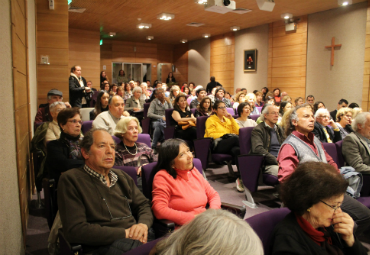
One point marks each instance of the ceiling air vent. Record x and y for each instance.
(76, 9)
(241, 10)
(195, 24)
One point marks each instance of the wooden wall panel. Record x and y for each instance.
(365, 89)
(222, 59)
(52, 40)
(287, 59)
(180, 60)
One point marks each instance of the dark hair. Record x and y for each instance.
(98, 106)
(186, 87)
(152, 96)
(255, 92)
(310, 96)
(177, 99)
(167, 153)
(200, 105)
(199, 90)
(213, 79)
(353, 105)
(111, 87)
(282, 106)
(155, 83)
(126, 84)
(267, 90)
(88, 138)
(73, 68)
(297, 99)
(316, 106)
(217, 90)
(66, 114)
(119, 73)
(191, 83)
(169, 75)
(216, 104)
(343, 101)
(242, 89)
(241, 107)
(275, 90)
(310, 183)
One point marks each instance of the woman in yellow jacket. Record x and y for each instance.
(222, 127)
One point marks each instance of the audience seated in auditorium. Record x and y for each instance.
(108, 119)
(341, 103)
(186, 122)
(43, 113)
(113, 89)
(129, 152)
(310, 99)
(156, 112)
(121, 78)
(212, 84)
(78, 89)
(123, 221)
(103, 78)
(355, 146)
(174, 91)
(213, 232)
(264, 91)
(322, 130)
(344, 120)
(53, 131)
(239, 98)
(204, 108)
(299, 101)
(201, 93)
(180, 192)
(277, 96)
(101, 105)
(318, 105)
(127, 90)
(284, 107)
(259, 102)
(64, 154)
(220, 95)
(251, 99)
(244, 110)
(136, 104)
(316, 225)
(222, 127)
(170, 78)
(301, 146)
(267, 137)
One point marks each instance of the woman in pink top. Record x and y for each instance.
(180, 192)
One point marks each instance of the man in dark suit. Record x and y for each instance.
(322, 129)
(341, 103)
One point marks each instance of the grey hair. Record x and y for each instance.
(214, 232)
(265, 111)
(294, 116)
(320, 111)
(53, 105)
(361, 119)
(144, 84)
(174, 87)
(137, 88)
(88, 139)
(122, 124)
(49, 97)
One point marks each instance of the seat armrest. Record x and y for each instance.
(163, 227)
(66, 247)
(235, 209)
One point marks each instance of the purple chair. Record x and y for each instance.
(169, 131)
(254, 116)
(86, 126)
(331, 149)
(130, 170)
(144, 249)
(144, 138)
(264, 223)
(146, 121)
(231, 111)
(94, 98)
(193, 110)
(259, 108)
(340, 157)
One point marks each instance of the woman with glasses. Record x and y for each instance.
(64, 154)
(316, 225)
(344, 120)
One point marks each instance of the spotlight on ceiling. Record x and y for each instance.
(149, 37)
(201, 1)
(111, 34)
(165, 16)
(183, 41)
(206, 35)
(144, 26)
(344, 2)
(234, 28)
(286, 16)
(266, 5)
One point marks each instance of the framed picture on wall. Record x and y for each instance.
(250, 60)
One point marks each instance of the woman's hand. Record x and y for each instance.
(229, 116)
(343, 224)
(136, 109)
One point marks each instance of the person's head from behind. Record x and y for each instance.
(270, 114)
(205, 105)
(55, 108)
(213, 79)
(213, 232)
(220, 93)
(301, 119)
(98, 150)
(76, 70)
(116, 106)
(54, 95)
(128, 129)
(174, 154)
(322, 116)
(318, 105)
(361, 124)
(344, 116)
(310, 99)
(353, 105)
(342, 103)
(240, 97)
(298, 101)
(314, 191)
(201, 93)
(219, 108)
(284, 106)
(69, 121)
(244, 109)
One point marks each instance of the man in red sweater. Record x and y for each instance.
(43, 113)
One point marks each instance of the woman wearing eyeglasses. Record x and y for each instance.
(344, 120)
(316, 225)
(65, 153)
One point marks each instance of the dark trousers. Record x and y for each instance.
(229, 146)
(359, 213)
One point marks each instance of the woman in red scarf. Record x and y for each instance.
(316, 225)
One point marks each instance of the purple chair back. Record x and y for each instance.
(365, 191)
(116, 139)
(86, 126)
(259, 108)
(142, 138)
(130, 170)
(331, 149)
(144, 249)
(231, 111)
(249, 167)
(94, 98)
(264, 223)
(189, 99)
(245, 135)
(254, 116)
(193, 110)
(341, 162)
(169, 120)
(201, 126)
(146, 108)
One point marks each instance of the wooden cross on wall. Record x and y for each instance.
(332, 47)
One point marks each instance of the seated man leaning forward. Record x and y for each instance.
(100, 207)
(267, 138)
(108, 120)
(356, 145)
(301, 146)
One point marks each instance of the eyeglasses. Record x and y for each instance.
(118, 218)
(76, 121)
(325, 117)
(274, 113)
(348, 116)
(221, 107)
(332, 207)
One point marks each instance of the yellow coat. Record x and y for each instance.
(215, 128)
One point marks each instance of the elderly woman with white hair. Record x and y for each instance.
(53, 131)
(214, 232)
(251, 99)
(344, 120)
(145, 93)
(136, 104)
(129, 152)
(322, 130)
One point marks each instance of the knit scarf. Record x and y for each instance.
(79, 80)
(72, 142)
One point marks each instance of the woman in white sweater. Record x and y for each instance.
(244, 110)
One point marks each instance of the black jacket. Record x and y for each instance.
(290, 238)
(211, 85)
(319, 133)
(76, 92)
(333, 115)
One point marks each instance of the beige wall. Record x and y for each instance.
(199, 62)
(31, 12)
(251, 38)
(345, 78)
(10, 221)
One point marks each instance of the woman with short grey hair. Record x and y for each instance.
(53, 132)
(135, 104)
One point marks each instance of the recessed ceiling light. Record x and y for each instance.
(234, 28)
(286, 16)
(149, 37)
(201, 1)
(344, 2)
(165, 16)
(111, 34)
(184, 41)
(206, 35)
(144, 26)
